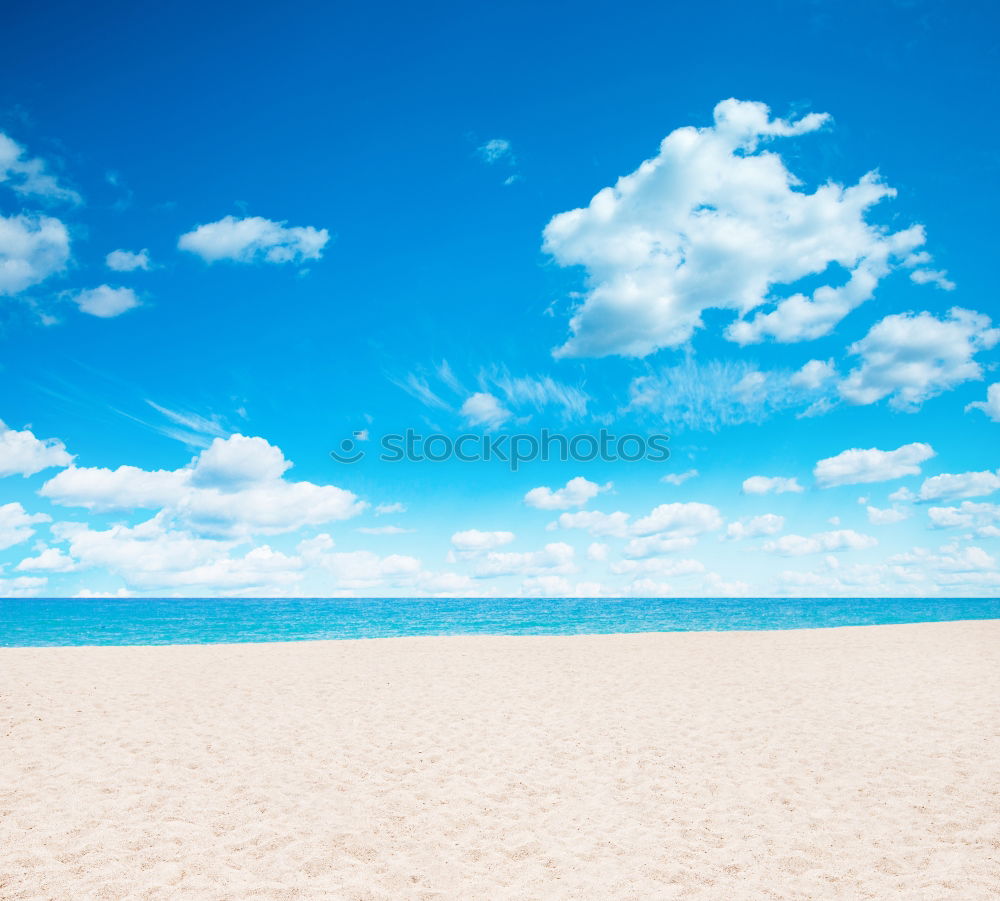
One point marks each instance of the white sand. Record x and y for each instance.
(841, 763)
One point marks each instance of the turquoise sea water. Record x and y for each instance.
(61, 621)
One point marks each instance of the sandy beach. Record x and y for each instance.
(840, 763)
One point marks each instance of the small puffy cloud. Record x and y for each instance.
(385, 509)
(800, 545)
(21, 453)
(679, 520)
(933, 277)
(911, 357)
(51, 559)
(755, 526)
(990, 406)
(814, 374)
(475, 541)
(31, 249)
(878, 516)
(771, 485)
(679, 478)
(716, 220)
(239, 461)
(967, 515)
(16, 524)
(105, 301)
(496, 150)
(484, 409)
(958, 485)
(28, 176)
(127, 260)
(234, 487)
(856, 466)
(575, 493)
(255, 238)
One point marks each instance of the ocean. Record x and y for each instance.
(36, 622)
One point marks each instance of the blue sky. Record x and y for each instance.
(233, 236)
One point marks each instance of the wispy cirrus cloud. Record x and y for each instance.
(29, 176)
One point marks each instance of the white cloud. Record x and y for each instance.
(597, 552)
(679, 478)
(799, 545)
(236, 486)
(364, 570)
(649, 588)
(654, 545)
(254, 238)
(445, 584)
(967, 515)
(677, 520)
(814, 374)
(951, 565)
(151, 556)
(27, 176)
(714, 394)
(496, 150)
(990, 406)
(105, 301)
(660, 566)
(547, 587)
(933, 277)
(668, 525)
(771, 485)
(51, 559)
(556, 557)
(765, 524)
(16, 524)
(22, 587)
(484, 409)
(958, 485)
(31, 249)
(576, 493)
(856, 466)
(383, 530)
(537, 392)
(715, 220)
(384, 509)
(127, 260)
(595, 522)
(878, 516)
(192, 429)
(21, 453)
(912, 357)
(475, 541)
